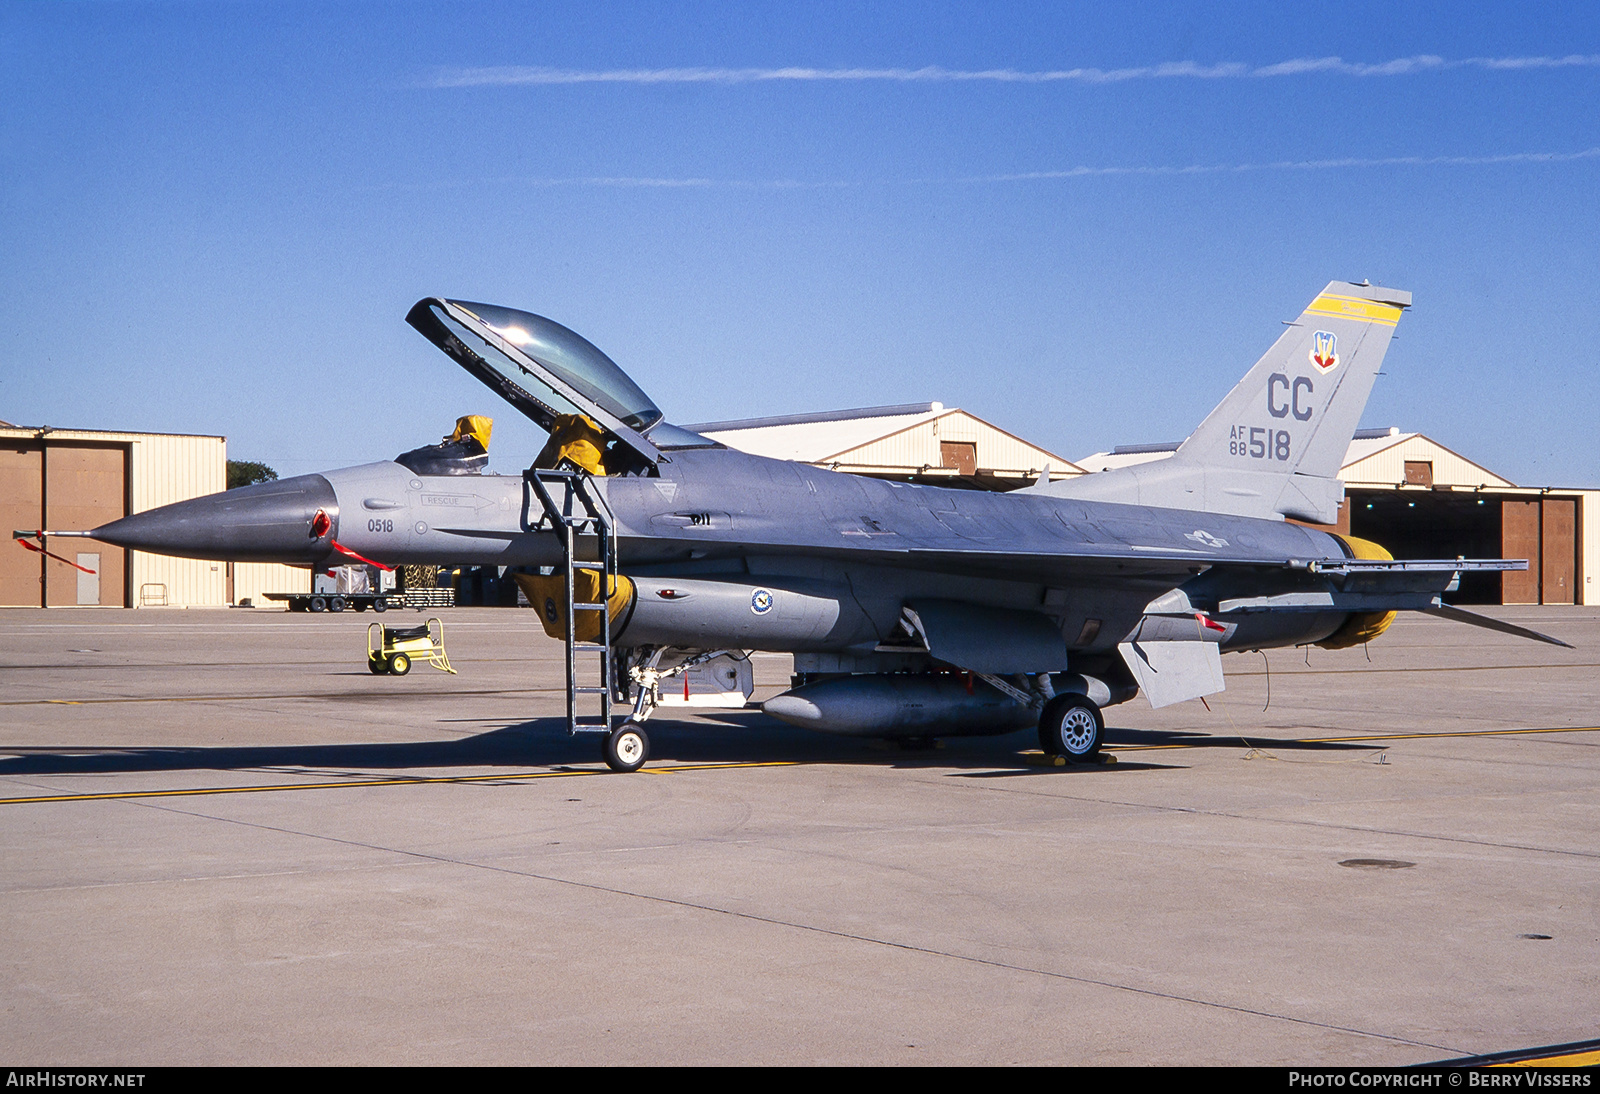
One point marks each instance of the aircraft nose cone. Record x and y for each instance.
(268, 522)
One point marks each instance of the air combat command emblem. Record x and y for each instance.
(1325, 351)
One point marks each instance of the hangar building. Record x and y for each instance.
(76, 479)
(914, 442)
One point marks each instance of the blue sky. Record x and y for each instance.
(1081, 223)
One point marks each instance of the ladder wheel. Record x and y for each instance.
(627, 747)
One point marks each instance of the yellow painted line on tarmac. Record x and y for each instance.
(1267, 742)
(361, 784)
(1572, 1054)
(1572, 1059)
(1459, 733)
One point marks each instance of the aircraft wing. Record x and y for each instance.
(1030, 556)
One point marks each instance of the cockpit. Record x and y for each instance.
(597, 417)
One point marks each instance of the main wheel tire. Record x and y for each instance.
(399, 663)
(627, 747)
(377, 666)
(1071, 726)
(318, 604)
(336, 604)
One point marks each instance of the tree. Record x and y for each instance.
(246, 472)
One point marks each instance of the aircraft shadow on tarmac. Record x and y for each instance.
(722, 737)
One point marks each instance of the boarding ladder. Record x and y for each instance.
(573, 507)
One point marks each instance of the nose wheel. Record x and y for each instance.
(1071, 726)
(627, 747)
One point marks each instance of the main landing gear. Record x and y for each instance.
(1071, 726)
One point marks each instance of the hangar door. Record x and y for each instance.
(1434, 524)
(21, 506)
(66, 486)
(1545, 532)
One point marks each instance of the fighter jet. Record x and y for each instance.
(912, 612)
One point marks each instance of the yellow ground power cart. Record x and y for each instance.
(392, 649)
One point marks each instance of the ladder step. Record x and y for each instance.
(581, 607)
(589, 691)
(590, 647)
(588, 565)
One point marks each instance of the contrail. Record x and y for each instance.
(515, 75)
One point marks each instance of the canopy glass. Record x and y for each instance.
(566, 353)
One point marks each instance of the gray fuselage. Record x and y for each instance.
(872, 546)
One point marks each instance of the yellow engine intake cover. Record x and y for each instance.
(548, 595)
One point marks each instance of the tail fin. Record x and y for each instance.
(1275, 445)
(1305, 396)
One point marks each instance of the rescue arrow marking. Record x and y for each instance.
(51, 554)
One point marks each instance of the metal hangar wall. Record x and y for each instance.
(76, 479)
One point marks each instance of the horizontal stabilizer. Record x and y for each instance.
(1445, 611)
(1331, 600)
(1374, 585)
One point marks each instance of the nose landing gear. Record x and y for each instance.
(627, 747)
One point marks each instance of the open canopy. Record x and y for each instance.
(540, 367)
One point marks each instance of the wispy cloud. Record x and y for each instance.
(513, 75)
(647, 182)
(1294, 165)
(615, 182)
